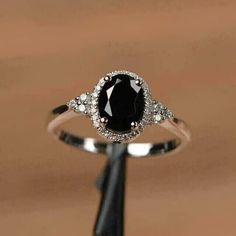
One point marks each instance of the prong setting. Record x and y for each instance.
(107, 78)
(134, 125)
(138, 82)
(103, 121)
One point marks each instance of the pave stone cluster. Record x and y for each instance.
(81, 104)
(160, 112)
(112, 122)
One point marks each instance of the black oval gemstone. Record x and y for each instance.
(121, 101)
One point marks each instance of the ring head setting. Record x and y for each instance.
(120, 106)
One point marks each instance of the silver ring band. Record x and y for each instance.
(120, 107)
(63, 113)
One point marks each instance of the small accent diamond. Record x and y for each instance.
(72, 104)
(157, 118)
(96, 124)
(95, 95)
(93, 110)
(83, 97)
(81, 108)
(94, 102)
(98, 88)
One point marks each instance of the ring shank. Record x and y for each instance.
(62, 114)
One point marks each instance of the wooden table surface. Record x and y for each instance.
(53, 50)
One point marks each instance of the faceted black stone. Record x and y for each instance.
(121, 101)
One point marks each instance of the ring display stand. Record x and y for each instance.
(111, 183)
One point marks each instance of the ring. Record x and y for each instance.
(120, 107)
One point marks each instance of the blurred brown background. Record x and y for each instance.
(53, 50)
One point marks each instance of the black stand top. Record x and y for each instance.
(111, 183)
